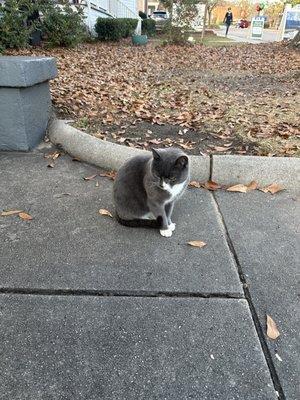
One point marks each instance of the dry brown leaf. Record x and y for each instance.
(273, 188)
(88, 178)
(11, 212)
(197, 243)
(103, 211)
(253, 185)
(211, 185)
(272, 330)
(110, 175)
(219, 148)
(25, 216)
(53, 155)
(238, 188)
(195, 184)
(51, 165)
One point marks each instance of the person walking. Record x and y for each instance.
(228, 19)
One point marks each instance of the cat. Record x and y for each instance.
(147, 186)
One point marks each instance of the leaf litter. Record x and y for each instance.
(253, 104)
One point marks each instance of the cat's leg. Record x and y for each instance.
(169, 210)
(159, 212)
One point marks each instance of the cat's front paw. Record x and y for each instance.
(166, 232)
(172, 226)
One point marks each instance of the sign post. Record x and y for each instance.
(257, 27)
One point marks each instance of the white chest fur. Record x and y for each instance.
(174, 191)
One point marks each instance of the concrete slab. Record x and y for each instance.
(68, 245)
(265, 233)
(108, 348)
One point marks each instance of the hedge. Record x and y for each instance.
(113, 29)
(148, 27)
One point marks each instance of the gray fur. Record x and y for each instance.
(138, 187)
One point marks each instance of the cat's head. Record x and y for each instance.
(169, 166)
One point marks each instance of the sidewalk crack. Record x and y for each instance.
(256, 321)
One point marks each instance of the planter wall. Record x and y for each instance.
(25, 100)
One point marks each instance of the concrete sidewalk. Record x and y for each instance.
(243, 35)
(93, 310)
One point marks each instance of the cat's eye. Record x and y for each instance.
(173, 179)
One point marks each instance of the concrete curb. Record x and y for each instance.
(109, 155)
(226, 169)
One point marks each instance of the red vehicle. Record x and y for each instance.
(242, 23)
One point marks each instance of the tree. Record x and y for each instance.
(246, 7)
(211, 4)
(182, 13)
(274, 12)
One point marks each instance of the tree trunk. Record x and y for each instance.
(204, 22)
(209, 17)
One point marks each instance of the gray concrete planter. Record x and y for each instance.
(25, 100)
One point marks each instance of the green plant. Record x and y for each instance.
(62, 26)
(148, 27)
(114, 29)
(15, 28)
(142, 15)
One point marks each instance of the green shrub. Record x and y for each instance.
(142, 15)
(15, 31)
(114, 29)
(20, 22)
(63, 26)
(148, 27)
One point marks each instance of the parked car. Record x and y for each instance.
(242, 23)
(160, 18)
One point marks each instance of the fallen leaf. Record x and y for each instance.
(273, 188)
(11, 212)
(102, 211)
(197, 243)
(253, 185)
(238, 188)
(53, 155)
(110, 175)
(88, 178)
(51, 165)
(211, 185)
(195, 184)
(272, 330)
(219, 148)
(25, 216)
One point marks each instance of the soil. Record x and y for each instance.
(146, 135)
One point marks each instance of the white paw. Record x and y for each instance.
(166, 232)
(172, 226)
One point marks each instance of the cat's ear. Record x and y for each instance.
(156, 155)
(182, 162)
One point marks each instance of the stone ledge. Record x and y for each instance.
(22, 71)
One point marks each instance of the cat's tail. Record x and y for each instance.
(140, 223)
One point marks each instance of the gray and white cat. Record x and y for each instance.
(147, 186)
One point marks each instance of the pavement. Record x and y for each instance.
(243, 35)
(94, 310)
